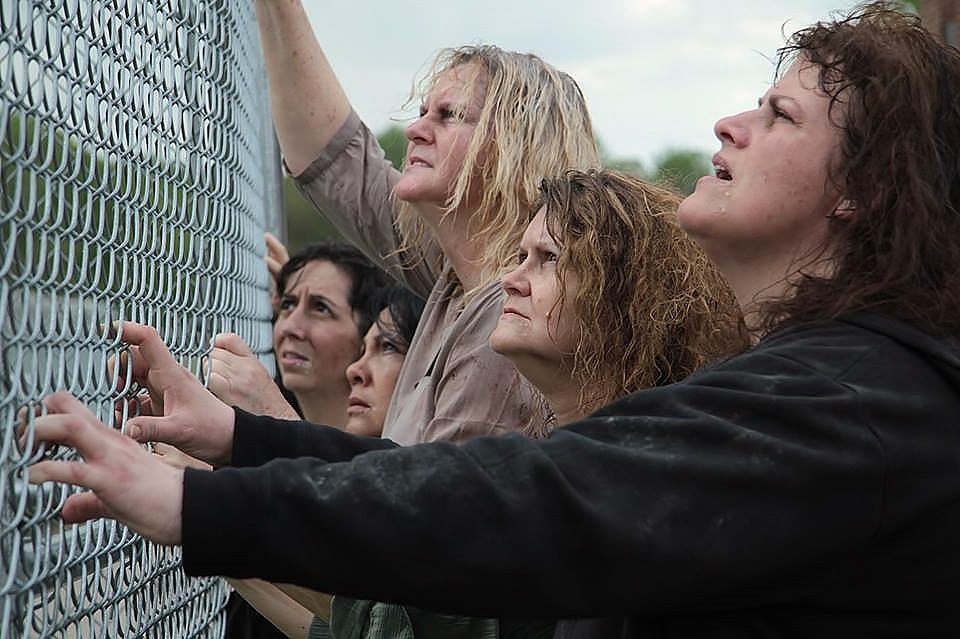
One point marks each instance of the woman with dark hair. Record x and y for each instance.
(808, 486)
(326, 301)
(327, 295)
(373, 376)
(372, 379)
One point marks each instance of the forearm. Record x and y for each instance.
(307, 100)
(259, 439)
(607, 489)
(291, 618)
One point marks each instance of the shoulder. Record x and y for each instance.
(854, 344)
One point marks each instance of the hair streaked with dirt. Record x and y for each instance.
(650, 308)
(534, 123)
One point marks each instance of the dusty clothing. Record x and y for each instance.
(452, 386)
(809, 487)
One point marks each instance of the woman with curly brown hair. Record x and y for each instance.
(610, 295)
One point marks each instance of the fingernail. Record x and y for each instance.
(133, 431)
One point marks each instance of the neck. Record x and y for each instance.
(328, 409)
(558, 388)
(565, 407)
(755, 284)
(458, 242)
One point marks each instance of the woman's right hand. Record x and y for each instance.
(276, 257)
(237, 378)
(179, 410)
(277, 254)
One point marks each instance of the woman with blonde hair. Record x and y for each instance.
(492, 123)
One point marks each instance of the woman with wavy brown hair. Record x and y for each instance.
(609, 295)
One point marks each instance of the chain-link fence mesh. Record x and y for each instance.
(137, 176)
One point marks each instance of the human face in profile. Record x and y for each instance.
(373, 377)
(766, 210)
(440, 137)
(537, 334)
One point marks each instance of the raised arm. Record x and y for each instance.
(308, 103)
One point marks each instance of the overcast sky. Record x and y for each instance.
(656, 73)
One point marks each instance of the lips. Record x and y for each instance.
(509, 310)
(721, 168)
(293, 358)
(356, 405)
(416, 160)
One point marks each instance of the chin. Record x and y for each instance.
(498, 342)
(688, 211)
(363, 426)
(294, 384)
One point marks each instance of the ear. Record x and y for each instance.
(844, 211)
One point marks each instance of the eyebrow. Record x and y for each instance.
(312, 298)
(320, 297)
(778, 99)
(549, 244)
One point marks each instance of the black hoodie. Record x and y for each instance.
(809, 487)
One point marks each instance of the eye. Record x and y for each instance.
(288, 303)
(452, 114)
(549, 256)
(781, 114)
(423, 110)
(387, 346)
(776, 112)
(319, 306)
(521, 257)
(390, 344)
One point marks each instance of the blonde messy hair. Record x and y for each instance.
(650, 308)
(534, 122)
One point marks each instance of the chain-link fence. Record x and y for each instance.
(137, 176)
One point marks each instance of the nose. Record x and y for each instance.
(290, 324)
(516, 282)
(419, 130)
(732, 130)
(357, 372)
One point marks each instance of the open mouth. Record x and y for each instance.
(721, 170)
(417, 162)
(289, 355)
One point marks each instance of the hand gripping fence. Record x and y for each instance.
(137, 175)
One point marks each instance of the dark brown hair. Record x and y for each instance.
(895, 95)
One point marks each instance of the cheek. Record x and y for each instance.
(456, 150)
(276, 334)
(341, 344)
(385, 379)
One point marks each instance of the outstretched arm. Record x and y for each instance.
(307, 101)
